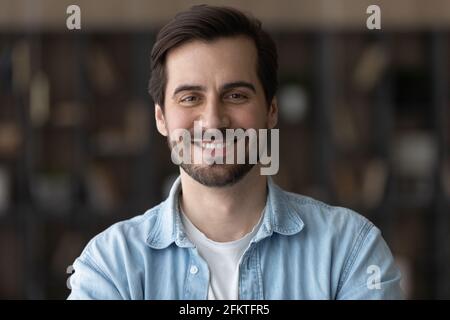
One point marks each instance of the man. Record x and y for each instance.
(226, 231)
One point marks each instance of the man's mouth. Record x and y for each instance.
(208, 145)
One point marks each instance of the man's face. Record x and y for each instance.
(215, 83)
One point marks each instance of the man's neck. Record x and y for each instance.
(224, 213)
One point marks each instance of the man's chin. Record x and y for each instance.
(217, 175)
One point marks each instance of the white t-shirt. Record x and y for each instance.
(223, 259)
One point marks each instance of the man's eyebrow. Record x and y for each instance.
(225, 87)
(188, 87)
(237, 84)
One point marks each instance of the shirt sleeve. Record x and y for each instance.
(88, 282)
(370, 271)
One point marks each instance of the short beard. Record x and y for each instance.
(217, 175)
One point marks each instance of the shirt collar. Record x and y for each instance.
(280, 216)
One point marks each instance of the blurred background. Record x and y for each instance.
(364, 123)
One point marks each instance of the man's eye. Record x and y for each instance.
(189, 99)
(236, 97)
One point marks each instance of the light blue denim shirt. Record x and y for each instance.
(304, 249)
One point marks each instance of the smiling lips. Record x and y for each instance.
(218, 148)
(213, 145)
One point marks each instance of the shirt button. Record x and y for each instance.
(193, 270)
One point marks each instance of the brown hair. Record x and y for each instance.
(204, 22)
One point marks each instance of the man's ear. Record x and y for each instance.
(273, 114)
(160, 120)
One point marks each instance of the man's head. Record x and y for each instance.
(217, 66)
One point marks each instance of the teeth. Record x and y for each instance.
(214, 145)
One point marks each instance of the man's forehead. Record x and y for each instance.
(232, 44)
(233, 58)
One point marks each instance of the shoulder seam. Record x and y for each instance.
(91, 262)
(360, 240)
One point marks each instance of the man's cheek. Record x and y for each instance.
(179, 122)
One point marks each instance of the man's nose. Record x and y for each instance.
(214, 115)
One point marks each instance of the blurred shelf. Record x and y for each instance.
(87, 215)
(7, 217)
(411, 202)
